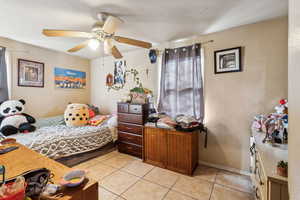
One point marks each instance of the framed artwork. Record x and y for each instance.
(68, 78)
(30, 73)
(109, 80)
(120, 73)
(228, 60)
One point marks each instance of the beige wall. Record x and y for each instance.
(47, 101)
(232, 99)
(294, 99)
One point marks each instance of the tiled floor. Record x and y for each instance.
(123, 177)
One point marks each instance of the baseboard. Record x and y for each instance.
(243, 172)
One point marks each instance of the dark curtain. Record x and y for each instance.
(181, 87)
(3, 76)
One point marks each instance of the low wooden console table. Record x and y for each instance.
(171, 149)
(25, 159)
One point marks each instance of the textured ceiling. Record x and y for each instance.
(150, 20)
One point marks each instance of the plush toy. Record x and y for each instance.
(12, 118)
(76, 115)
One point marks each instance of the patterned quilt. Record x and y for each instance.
(62, 141)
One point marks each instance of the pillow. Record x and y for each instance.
(97, 120)
(76, 115)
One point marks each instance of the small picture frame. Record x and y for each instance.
(228, 60)
(30, 73)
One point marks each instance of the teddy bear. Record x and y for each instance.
(12, 118)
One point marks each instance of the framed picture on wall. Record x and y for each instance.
(228, 60)
(30, 73)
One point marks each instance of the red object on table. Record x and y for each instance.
(17, 196)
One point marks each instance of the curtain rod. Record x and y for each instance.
(205, 42)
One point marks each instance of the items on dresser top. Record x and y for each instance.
(131, 118)
(265, 157)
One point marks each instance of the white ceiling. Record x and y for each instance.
(150, 20)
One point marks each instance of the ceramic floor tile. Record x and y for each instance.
(162, 177)
(235, 181)
(137, 168)
(118, 161)
(172, 195)
(224, 193)
(83, 165)
(118, 182)
(106, 195)
(99, 171)
(198, 189)
(205, 173)
(107, 156)
(146, 191)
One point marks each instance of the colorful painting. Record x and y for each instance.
(68, 78)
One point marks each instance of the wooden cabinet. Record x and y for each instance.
(173, 150)
(131, 118)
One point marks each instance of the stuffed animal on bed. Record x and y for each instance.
(12, 118)
(76, 115)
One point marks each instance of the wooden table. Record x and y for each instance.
(25, 159)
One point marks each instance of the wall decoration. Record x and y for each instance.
(109, 80)
(120, 73)
(30, 73)
(68, 78)
(228, 60)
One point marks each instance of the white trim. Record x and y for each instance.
(9, 72)
(230, 169)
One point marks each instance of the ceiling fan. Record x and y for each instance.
(102, 31)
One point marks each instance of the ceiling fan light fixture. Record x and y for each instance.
(94, 44)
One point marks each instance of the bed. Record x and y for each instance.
(55, 140)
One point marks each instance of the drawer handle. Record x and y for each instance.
(129, 147)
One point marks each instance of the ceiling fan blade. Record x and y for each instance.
(111, 24)
(116, 53)
(133, 42)
(65, 33)
(78, 47)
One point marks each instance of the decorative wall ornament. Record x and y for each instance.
(68, 78)
(228, 60)
(30, 73)
(109, 80)
(120, 76)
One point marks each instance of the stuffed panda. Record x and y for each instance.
(12, 118)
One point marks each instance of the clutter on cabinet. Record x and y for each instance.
(140, 95)
(187, 123)
(274, 125)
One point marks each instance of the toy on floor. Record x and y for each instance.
(76, 115)
(12, 118)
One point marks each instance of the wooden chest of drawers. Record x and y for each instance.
(131, 118)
